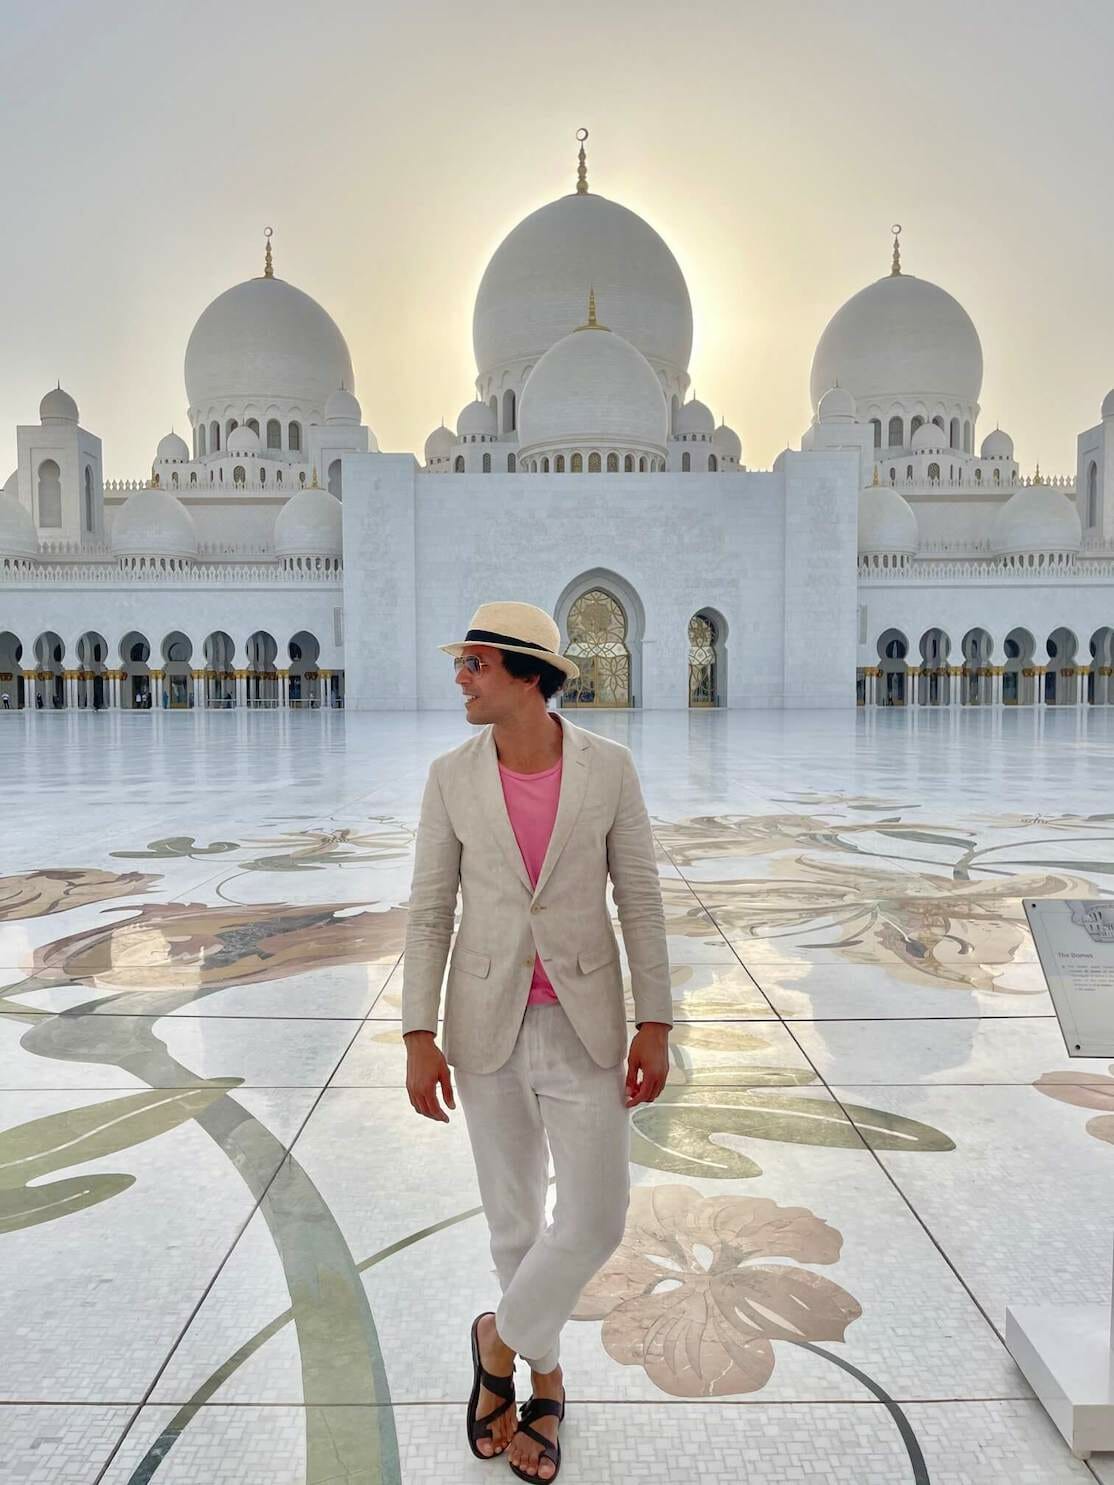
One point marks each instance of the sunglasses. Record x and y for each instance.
(471, 663)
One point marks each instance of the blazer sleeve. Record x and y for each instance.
(634, 875)
(432, 906)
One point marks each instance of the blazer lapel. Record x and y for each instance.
(574, 786)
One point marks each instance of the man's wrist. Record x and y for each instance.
(421, 1032)
(655, 1025)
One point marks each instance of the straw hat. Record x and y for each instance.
(516, 626)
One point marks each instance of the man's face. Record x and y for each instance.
(494, 694)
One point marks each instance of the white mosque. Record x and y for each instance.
(277, 557)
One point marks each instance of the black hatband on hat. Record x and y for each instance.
(488, 636)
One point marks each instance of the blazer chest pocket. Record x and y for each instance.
(471, 962)
(592, 959)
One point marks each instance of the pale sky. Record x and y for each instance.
(146, 146)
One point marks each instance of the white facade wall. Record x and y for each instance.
(164, 606)
(914, 606)
(773, 555)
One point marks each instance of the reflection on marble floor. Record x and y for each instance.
(233, 1251)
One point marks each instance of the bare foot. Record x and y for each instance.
(499, 1361)
(524, 1452)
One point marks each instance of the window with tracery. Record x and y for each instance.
(597, 643)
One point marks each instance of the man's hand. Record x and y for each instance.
(426, 1071)
(648, 1055)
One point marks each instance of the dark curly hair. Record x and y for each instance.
(525, 667)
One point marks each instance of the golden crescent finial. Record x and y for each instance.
(582, 167)
(895, 267)
(591, 323)
(268, 266)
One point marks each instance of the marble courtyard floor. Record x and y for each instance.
(232, 1253)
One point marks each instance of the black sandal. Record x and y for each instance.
(480, 1428)
(541, 1407)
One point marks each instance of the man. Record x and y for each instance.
(527, 819)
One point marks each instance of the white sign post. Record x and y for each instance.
(1067, 1351)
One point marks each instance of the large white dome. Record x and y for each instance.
(887, 522)
(535, 287)
(593, 388)
(17, 528)
(152, 523)
(309, 525)
(1036, 519)
(267, 341)
(899, 338)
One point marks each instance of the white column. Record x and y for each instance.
(1038, 684)
(29, 690)
(241, 689)
(283, 693)
(323, 689)
(912, 685)
(1081, 674)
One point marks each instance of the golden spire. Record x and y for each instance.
(875, 482)
(1037, 480)
(582, 168)
(591, 323)
(895, 266)
(268, 267)
(313, 482)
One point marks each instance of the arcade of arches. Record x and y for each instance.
(1054, 671)
(138, 675)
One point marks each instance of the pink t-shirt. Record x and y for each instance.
(532, 806)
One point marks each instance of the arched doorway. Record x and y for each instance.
(705, 641)
(177, 676)
(1061, 679)
(975, 682)
(50, 678)
(92, 652)
(262, 677)
(11, 677)
(1100, 690)
(893, 677)
(935, 689)
(597, 628)
(220, 675)
(303, 678)
(135, 683)
(1018, 680)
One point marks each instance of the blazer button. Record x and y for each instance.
(526, 963)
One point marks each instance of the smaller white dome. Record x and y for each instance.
(1036, 518)
(58, 407)
(439, 444)
(243, 440)
(477, 418)
(17, 528)
(152, 523)
(1108, 404)
(593, 388)
(695, 417)
(11, 484)
(309, 525)
(836, 406)
(929, 439)
(727, 442)
(886, 522)
(997, 445)
(779, 462)
(342, 407)
(172, 449)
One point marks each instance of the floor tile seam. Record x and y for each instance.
(573, 1402)
(215, 1275)
(916, 1215)
(736, 958)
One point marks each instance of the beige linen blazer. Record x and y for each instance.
(466, 843)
